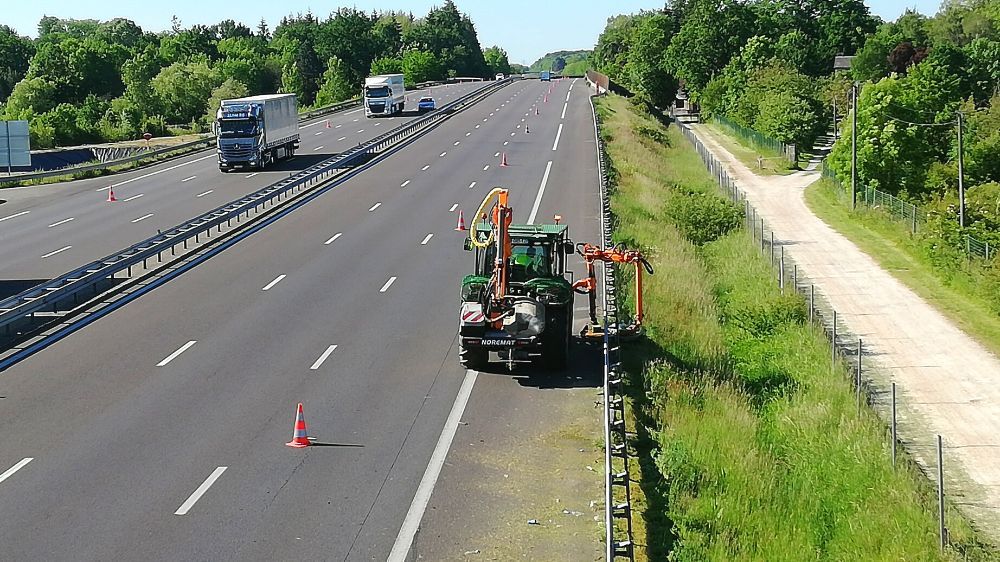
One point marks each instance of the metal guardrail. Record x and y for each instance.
(615, 435)
(48, 295)
(186, 147)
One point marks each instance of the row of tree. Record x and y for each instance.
(89, 81)
(754, 62)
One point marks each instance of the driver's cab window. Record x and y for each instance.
(529, 262)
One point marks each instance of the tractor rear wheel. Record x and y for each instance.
(475, 359)
(556, 338)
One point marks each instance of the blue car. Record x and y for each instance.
(426, 104)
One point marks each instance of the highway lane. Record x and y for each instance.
(53, 228)
(126, 443)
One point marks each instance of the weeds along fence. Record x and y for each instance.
(903, 211)
(618, 539)
(759, 140)
(875, 389)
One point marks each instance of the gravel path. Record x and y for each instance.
(947, 383)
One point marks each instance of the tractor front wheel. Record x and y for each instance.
(475, 359)
(556, 338)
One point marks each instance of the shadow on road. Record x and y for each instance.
(585, 369)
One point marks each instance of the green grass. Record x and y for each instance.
(749, 440)
(576, 68)
(770, 163)
(958, 294)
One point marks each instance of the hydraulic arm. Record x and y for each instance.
(588, 285)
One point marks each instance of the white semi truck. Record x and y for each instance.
(255, 131)
(384, 95)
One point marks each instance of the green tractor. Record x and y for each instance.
(518, 302)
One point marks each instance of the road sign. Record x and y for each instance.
(15, 149)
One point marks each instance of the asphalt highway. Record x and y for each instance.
(158, 431)
(50, 229)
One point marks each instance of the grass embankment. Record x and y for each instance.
(957, 292)
(749, 439)
(763, 161)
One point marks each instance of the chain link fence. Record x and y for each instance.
(904, 211)
(759, 140)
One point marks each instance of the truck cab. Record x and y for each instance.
(384, 95)
(255, 131)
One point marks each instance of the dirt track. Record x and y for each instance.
(947, 383)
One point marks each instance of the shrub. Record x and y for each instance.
(703, 218)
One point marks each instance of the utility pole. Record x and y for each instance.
(854, 146)
(961, 174)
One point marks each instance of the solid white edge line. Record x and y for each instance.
(174, 355)
(387, 285)
(332, 238)
(274, 282)
(404, 540)
(322, 358)
(64, 221)
(10, 471)
(555, 144)
(50, 254)
(426, 239)
(15, 215)
(541, 191)
(123, 182)
(196, 495)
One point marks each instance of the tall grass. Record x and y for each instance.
(758, 449)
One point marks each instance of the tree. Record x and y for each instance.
(647, 69)
(31, 95)
(184, 89)
(230, 89)
(788, 118)
(347, 35)
(421, 66)
(15, 52)
(983, 57)
(711, 32)
(301, 70)
(496, 61)
(557, 65)
(386, 65)
(451, 37)
(338, 83)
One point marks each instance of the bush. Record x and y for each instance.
(703, 218)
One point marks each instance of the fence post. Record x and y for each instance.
(771, 247)
(762, 235)
(940, 474)
(781, 271)
(858, 382)
(795, 277)
(812, 301)
(893, 426)
(913, 228)
(833, 340)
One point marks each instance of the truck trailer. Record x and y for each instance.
(384, 95)
(255, 131)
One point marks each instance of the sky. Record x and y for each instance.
(526, 29)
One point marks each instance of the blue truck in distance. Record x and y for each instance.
(255, 131)
(545, 76)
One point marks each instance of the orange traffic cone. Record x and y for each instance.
(299, 435)
(327, 123)
(461, 221)
(503, 160)
(111, 195)
(546, 98)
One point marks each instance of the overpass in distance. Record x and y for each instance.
(157, 432)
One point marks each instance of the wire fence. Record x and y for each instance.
(759, 140)
(906, 429)
(912, 215)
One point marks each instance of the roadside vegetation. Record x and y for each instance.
(86, 81)
(749, 439)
